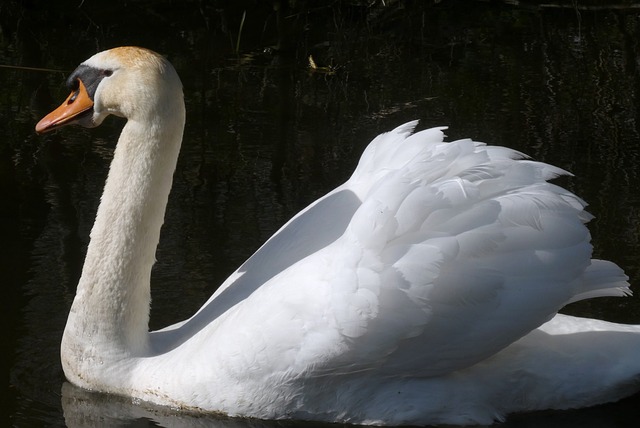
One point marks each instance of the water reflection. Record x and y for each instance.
(83, 409)
(265, 136)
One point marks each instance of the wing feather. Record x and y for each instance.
(445, 254)
(473, 249)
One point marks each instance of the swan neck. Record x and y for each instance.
(113, 297)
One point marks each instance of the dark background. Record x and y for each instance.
(266, 136)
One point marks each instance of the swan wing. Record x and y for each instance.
(430, 258)
(457, 250)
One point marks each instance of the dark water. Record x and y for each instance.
(266, 136)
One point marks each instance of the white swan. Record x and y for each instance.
(424, 290)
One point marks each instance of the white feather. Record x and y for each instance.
(412, 294)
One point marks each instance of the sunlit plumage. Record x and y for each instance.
(423, 290)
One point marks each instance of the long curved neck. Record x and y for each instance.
(110, 312)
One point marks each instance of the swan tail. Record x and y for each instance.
(602, 279)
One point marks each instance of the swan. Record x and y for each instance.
(423, 290)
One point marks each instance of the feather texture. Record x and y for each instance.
(424, 290)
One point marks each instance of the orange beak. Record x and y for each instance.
(76, 104)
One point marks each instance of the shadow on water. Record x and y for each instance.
(266, 136)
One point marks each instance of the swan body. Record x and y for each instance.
(423, 290)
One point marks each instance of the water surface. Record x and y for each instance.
(266, 136)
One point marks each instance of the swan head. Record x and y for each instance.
(130, 82)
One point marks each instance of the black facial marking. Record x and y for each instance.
(90, 77)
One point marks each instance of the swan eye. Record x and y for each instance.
(75, 89)
(107, 73)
